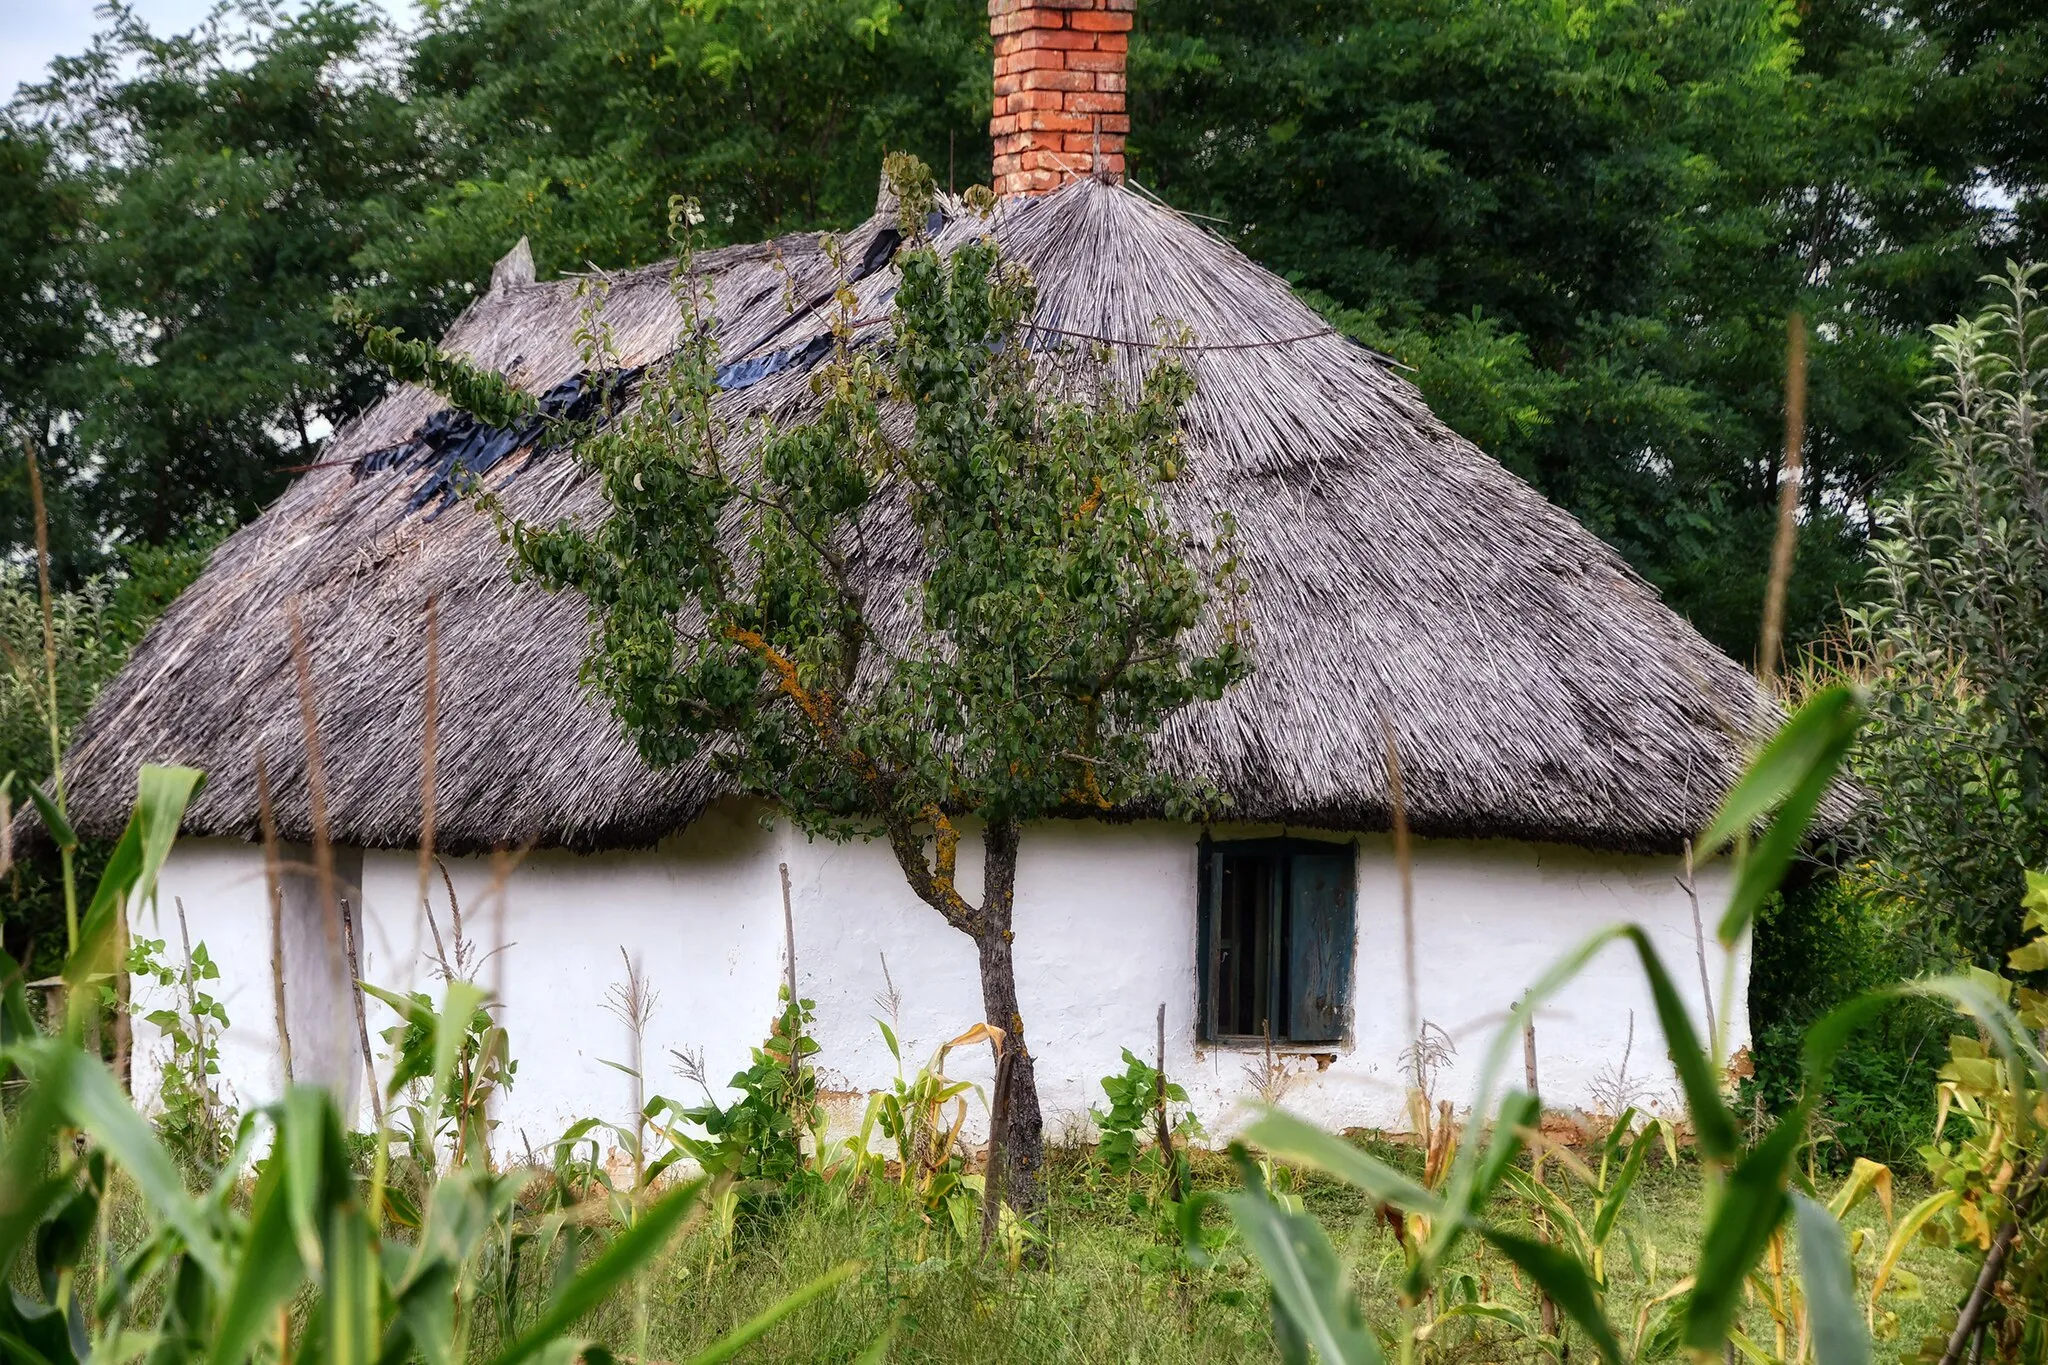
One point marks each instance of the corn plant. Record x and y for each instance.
(286, 1256)
(1754, 1189)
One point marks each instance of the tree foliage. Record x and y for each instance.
(1584, 226)
(1958, 633)
(744, 592)
(223, 181)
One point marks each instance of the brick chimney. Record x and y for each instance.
(1059, 91)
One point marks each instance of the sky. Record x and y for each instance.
(34, 31)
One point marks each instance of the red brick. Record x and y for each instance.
(1036, 59)
(1113, 42)
(1088, 102)
(1005, 25)
(1110, 82)
(1048, 37)
(1099, 21)
(1057, 80)
(1049, 122)
(1039, 99)
(1095, 61)
(1010, 85)
(1001, 126)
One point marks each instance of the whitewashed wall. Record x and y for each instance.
(1105, 934)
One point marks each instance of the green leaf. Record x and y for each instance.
(1750, 1209)
(94, 1102)
(1290, 1139)
(1829, 1279)
(1800, 746)
(756, 1327)
(1309, 1285)
(1565, 1280)
(268, 1272)
(1792, 775)
(1519, 1113)
(161, 795)
(628, 1253)
(350, 1288)
(1564, 1221)
(53, 819)
(1617, 1192)
(1714, 1131)
(17, 1024)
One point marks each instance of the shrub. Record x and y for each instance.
(1956, 640)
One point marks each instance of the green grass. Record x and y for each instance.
(1109, 1293)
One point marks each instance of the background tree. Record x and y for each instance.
(224, 179)
(1584, 225)
(573, 124)
(1056, 608)
(1957, 634)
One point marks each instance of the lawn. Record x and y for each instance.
(1114, 1289)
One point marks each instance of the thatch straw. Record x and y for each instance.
(1536, 686)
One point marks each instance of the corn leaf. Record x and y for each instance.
(26, 1193)
(93, 1101)
(17, 1024)
(1566, 1280)
(1750, 1209)
(1829, 1279)
(1865, 1178)
(1916, 1218)
(1792, 775)
(350, 1288)
(629, 1252)
(1714, 1131)
(161, 795)
(53, 819)
(1310, 1291)
(1617, 1192)
(269, 1272)
(1787, 762)
(1290, 1139)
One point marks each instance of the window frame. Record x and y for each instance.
(1283, 850)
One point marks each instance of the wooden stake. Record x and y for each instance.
(788, 932)
(1699, 937)
(273, 880)
(355, 995)
(1164, 1132)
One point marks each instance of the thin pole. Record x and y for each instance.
(1699, 938)
(273, 878)
(355, 994)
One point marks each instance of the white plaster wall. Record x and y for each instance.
(1105, 933)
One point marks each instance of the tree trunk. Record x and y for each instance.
(1021, 1144)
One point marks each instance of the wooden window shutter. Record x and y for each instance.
(1321, 934)
(1208, 870)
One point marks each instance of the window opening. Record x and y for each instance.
(1276, 939)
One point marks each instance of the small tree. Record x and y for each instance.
(1958, 636)
(948, 595)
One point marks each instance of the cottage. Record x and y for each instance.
(1560, 731)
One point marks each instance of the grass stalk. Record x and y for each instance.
(66, 855)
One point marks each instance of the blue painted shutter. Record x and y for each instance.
(1208, 870)
(1321, 932)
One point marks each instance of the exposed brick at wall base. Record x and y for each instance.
(1059, 110)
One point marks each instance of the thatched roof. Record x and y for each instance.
(1537, 686)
